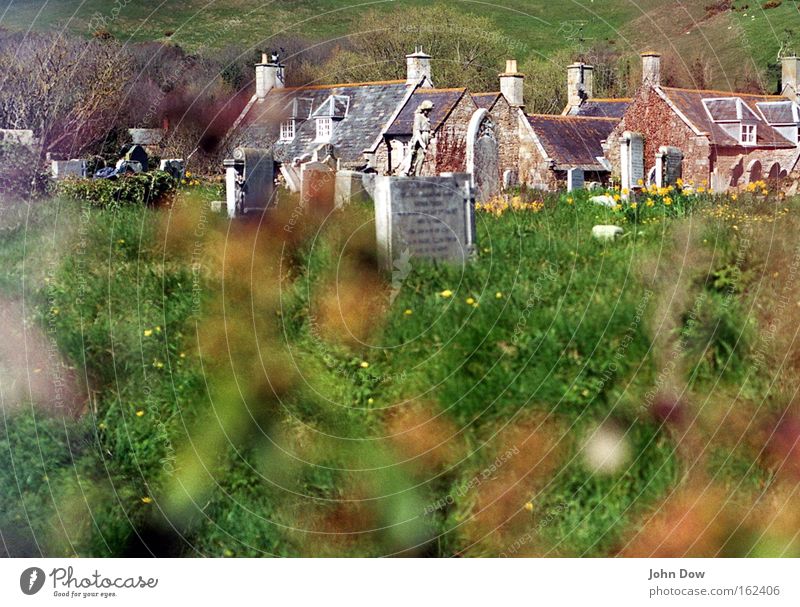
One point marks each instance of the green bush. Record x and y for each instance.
(150, 188)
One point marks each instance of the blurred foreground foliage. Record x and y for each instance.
(259, 388)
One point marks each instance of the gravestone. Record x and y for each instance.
(61, 169)
(350, 188)
(249, 181)
(317, 187)
(574, 179)
(510, 179)
(669, 161)
(425, 217)
(483, 155)
(631, 160)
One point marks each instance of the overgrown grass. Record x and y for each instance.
(267, 392)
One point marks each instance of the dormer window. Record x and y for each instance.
(287, 130)
(324, 129)
(748, 134)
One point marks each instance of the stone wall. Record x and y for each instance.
(738, 169)
(505, 119)
(534, 168)
(450, 143)
(651, 116)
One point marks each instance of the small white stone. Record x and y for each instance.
(602, 232)
(219, 206)
(604, 200)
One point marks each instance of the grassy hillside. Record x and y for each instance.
(727, 40)
(267, 392)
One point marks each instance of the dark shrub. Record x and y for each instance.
(143, 188)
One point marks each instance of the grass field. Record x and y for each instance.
(685, 30)
(258, 390)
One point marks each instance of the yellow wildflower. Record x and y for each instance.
(498, 295)
(364, 364)
(148, 332)
(529, 506)
(470, 301)
(139, 413)
(147, 500)
(408, 312)
(446, 293)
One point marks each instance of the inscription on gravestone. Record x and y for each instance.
(425, 217)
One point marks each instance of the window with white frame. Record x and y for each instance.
(287, 130)
(748, 134)
(324, 129)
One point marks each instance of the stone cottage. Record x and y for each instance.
(551, 146)
(368, 126)
(726, 139)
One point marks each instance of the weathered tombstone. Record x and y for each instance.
(483, 155)
(631, 160)
(61, 169)
(249, 181)
(425, 217)
(317, 187)
(350, 188)
(669, 160)
(219, 206)
(574, 179)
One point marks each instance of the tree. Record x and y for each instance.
(467, 51)
(67, 90)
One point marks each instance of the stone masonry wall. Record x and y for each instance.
(508, 140)
(651, 116)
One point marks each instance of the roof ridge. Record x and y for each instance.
(571, 117)
(343, 84)
(726, 93)
(448, 90)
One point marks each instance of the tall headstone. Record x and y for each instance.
(249, 181)
(317, 187)
(425, 217)
(631, 160)
(483, 155)
(574, 179)
(350, 188)
(669, 160)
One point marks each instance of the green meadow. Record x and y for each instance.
(259, 388)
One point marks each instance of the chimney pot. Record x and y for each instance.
(651, 68)
(580, 83)
(418, 66)
(511, 84)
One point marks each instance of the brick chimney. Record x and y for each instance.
(790, 74)
(580, 80)
(511, 82)
(418, 66)
(269, 75)
(651, 68)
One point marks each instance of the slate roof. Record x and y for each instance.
(601, 108)
(444, 100)
(573, 141)
(779, 112)
(690, 103)
(360, 113)
(485, 100)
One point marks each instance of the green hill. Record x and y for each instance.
(725, 35)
